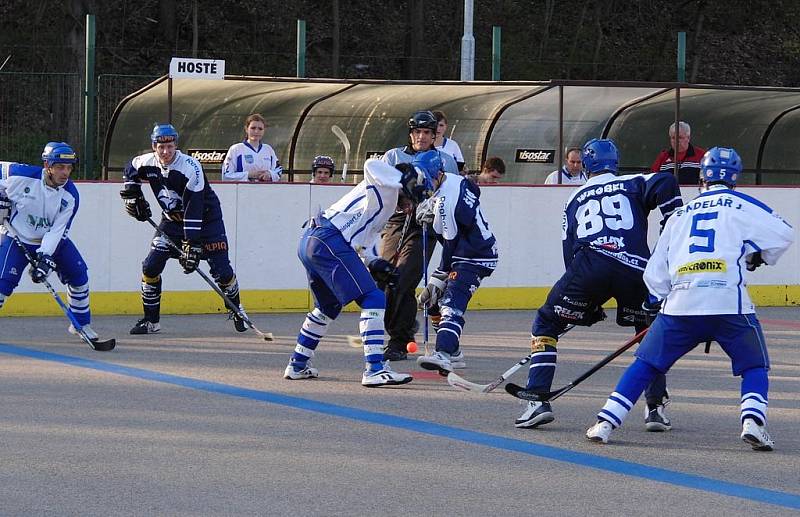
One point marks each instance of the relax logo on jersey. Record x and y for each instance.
(534, 155)
(703, 266)
(207, 156)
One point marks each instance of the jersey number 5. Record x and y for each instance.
(702, 233)
(612, 212)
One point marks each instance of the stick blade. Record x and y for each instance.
(519, 392)
(104, 345)
(461, 383)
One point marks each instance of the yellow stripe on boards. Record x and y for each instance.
(299, 300)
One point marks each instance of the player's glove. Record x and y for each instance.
(651, 306)
(191, 253)
(135, 203)
(754, 261)
(425, 213)
(5, 207)
(434, 290)
(384, 273)
(150, 173)
(42, 267)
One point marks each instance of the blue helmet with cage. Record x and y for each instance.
(599, 155)
(163, 133)
(58, 152)
(428, 165)
(720, 165)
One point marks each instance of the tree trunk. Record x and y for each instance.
(166, 22)
(336, 37)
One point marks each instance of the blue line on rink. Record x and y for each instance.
(440, 431)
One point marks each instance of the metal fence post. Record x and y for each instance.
(301, 48)
(89, 99)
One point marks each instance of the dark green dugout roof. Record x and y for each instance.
(503, 119)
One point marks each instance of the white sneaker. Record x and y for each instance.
(384, 377)
(457, 360)
(436, 361)
(535, 414)
(599, 432)
(756, 436)
(90, 333)
(309, 372)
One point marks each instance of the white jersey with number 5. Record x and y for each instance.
(699, 262)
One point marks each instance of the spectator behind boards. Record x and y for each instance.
(252, 160)
(493, 171)
(322, 169)
(689, 156)
(572, 172)
(447, 145)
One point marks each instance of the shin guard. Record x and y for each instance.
(151, 298)
(372, 336)
(543, 363)
(755, 389)
(311, 333)
(78, 296)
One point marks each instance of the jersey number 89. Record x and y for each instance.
(612, 212)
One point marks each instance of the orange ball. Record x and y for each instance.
(411, 347)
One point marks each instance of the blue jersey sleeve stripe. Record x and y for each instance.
(27, 171)
(740, 195)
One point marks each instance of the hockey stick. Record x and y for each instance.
(346, 143)
(96, 344)
(266, 336)
(456, 381)
(425, 276)
(4, 62)
(524, 394)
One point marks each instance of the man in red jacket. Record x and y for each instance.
(689, 156)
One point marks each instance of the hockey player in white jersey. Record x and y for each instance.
(329, 250)
(696, 280)
(469, 254)
(38, 205)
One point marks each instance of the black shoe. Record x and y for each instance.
(238, 322)
(144, 326)
(390, 354)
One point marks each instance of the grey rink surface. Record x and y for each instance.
(197, 420)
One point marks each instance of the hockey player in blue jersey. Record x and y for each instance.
(469, 254)
(39, 205)
(329, 250)
(191, 218)
(604, 240)
(696, 279)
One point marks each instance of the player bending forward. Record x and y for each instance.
(38, 205)
(469, 254)
(605, 252)
(191, 218)
(337, 275)
(696, 277)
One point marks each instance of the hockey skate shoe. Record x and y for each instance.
(144, 326)
(238, 322)
(384, 377)
(307, 372)
(392, 354)
(599, 432)
(655, 420)
(437, 361)
(90, 333)
(756, 435)
(457, 360)
(535, 414)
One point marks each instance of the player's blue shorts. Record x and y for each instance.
(671, 337)
(70, 267)
(336, 274)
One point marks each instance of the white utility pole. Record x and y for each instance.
(467, 45)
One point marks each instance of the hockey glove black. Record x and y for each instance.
(135, 203)
(434, 290)
(5, 207)
(651, 306)
(176, 216)
(191, 253)
(384, 273)
(754, 261)
(42, 267)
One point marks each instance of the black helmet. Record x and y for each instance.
(422, 120)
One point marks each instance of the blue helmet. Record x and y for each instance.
(163, 133)
(430, 162)
(58, 152)
(720, 165)
(599, 155)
